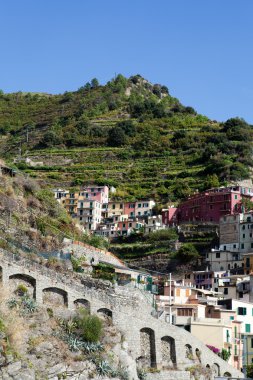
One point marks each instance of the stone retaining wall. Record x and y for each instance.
(131, 313)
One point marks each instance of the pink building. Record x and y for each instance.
(169, 216)
(96, 193)
(209, 206)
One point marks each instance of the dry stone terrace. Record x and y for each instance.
(151, 342)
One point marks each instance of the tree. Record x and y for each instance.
(94, 83)
(187, 252)
(212, 180)
(117, 137)
(247, 205)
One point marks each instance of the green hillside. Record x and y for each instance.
(128, 133)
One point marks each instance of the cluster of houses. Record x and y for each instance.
(96, 213)
(215, 305)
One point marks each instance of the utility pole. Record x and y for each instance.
(170, 299)
(244, 355)
(27, 134)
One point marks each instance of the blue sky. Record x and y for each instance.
(202, 50)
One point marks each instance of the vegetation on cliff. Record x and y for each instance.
(128, 133)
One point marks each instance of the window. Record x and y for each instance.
(231, 318)
(121, 205)
(139, 204)
(225, 247)
(235, 350)
(217, 255)
(242, 311)
(235, 196)
(251, 342)
(225, 290)
(130, 224)
(234, 246)
(184, 312)
(113, 207)
(247, 262)
(228, 336)
(243, 236)
(243, 227)
(242, 246)
(247, 328)
(235, 331)
(251, 245)
(211, 207)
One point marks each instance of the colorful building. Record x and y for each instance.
(208, 206)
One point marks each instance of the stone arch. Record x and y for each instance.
(216, 369)
(188, 352)
(168, 349)
(148, 349)
(24, 279)
(81, 302)
(105, 312)
(227, 374)
(55, 296)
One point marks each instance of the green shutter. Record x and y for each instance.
(247, 328)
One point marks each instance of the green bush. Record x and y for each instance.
(89, 325)
(186, 253)
(21, 290)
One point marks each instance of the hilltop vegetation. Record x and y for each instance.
(128, 133)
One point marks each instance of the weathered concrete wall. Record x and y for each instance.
(91, 253)
(131, 313)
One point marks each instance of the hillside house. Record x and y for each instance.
(208, 206)
(218, 260)
(236, 233)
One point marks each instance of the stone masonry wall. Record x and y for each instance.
(130, 312)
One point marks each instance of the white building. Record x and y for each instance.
(224, 260)
(236, 233)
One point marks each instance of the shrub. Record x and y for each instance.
(187, 252)
(21, 290)
(90, 326)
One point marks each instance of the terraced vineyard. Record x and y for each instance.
(128, 133)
